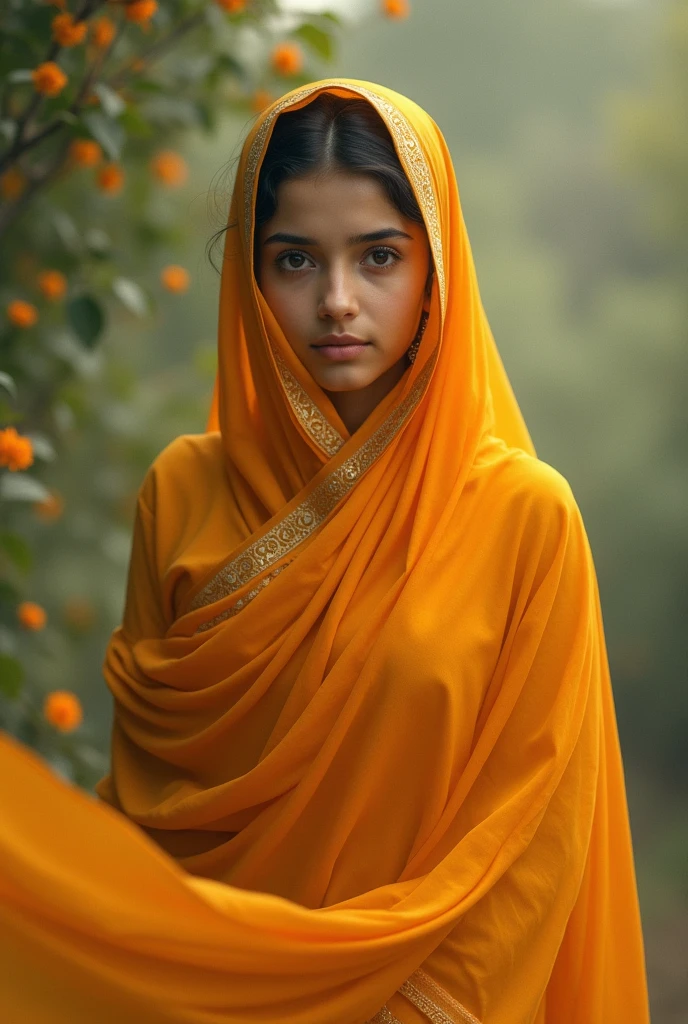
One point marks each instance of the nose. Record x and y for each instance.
(338, 299)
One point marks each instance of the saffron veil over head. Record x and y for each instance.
(365, 763)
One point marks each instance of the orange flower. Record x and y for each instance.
(110, 178)
(49, 78)
(79, 613)
(85, 152)
(50, 508)
(175, 278)
(12, 183)
(102, 33)
(232, 6)
(260, 100)
(68, 32)
(63, 710)
(31, 615)
(22, 314)
(52, 284)
(140, 11)
(287, 59)
(396, 8)
(16, 452)
(169, 168)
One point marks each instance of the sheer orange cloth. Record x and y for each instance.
(364, 731)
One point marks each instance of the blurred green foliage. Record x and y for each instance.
(104, 219)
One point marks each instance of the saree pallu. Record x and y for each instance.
(365, 764)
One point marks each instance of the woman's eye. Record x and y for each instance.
(291, 261)
(383, 258)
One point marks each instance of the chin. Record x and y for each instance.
(342, 378)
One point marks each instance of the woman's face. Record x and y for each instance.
(338, 258)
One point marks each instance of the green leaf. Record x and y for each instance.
(131, 295)
(225, 62)
(97, 242)
(207, 115)
(8, 595)
(134, 124)
(317, 39)
(11, 676)
(20, 75)
(42, 447)
(17, 550)
(21, 487)
(8, 129)
(67, 232)
(8, 415)
(107, 132)
(8, 384)
(86, 318)
(8, 640)
(112, 103)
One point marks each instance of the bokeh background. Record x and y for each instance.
(567, 125)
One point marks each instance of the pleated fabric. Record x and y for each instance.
(365, 763)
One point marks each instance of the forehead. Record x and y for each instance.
(335, 200)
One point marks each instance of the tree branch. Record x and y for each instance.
(20, 145)
(10, 211)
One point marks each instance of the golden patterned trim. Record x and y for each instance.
(435, 1002)
(243, 601)
(298, 525)
(417, 171)
(308, 413)
(384, 1016)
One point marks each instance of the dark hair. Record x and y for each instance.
(331, 132)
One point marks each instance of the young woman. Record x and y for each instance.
(365, 763)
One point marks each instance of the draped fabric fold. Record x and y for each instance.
(364, 758)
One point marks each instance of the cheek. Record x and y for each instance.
(289, 305)
(401, 296)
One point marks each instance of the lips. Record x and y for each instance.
(339, 339)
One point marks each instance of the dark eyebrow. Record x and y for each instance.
(371, 236)
(378, 236)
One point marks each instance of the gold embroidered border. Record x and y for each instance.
(310, 416)
(384, 1016)
(411, 154)
(300, 523)
(243, 601)
(431, 999)
(435, 1002)
(417, 170)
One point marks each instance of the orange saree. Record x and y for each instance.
(365, 764)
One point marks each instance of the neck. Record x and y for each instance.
(354, 407)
